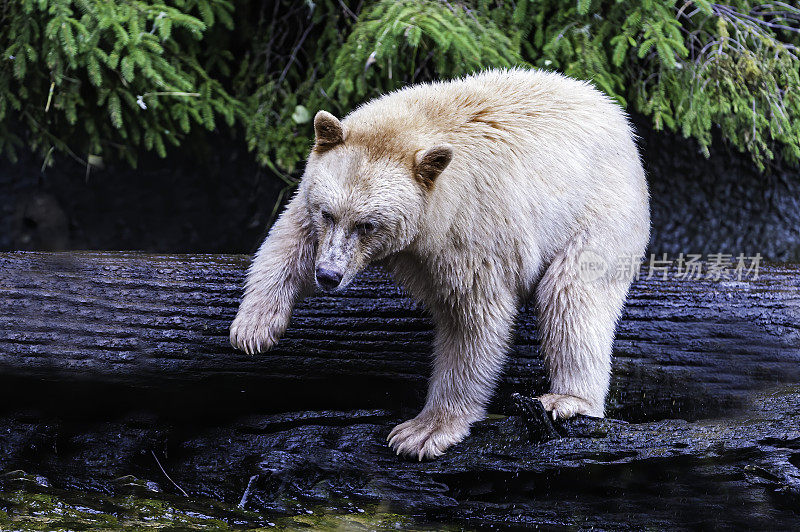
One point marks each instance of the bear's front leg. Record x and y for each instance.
(469, 352)
(281, 273)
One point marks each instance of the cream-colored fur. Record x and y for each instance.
(475, 194)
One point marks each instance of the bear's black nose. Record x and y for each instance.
(328, 279)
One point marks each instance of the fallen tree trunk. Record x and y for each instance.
(154, 328)
(116, 377)
(741, 473)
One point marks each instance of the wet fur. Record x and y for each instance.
(540, 169)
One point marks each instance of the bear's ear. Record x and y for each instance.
(328, 131)
(428, 164)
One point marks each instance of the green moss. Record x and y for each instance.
(44, 508)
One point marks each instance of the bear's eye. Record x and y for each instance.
(327, 217)
(365, 228)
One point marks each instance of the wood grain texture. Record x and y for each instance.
(108, 360)
(683, 348)
(731, 473)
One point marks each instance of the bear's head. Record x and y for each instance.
(366, 195)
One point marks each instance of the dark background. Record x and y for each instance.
(215, 199)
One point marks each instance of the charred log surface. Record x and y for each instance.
(153, 330)
(115, 370)
(739, 471)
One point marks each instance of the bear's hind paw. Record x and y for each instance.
(567, 406)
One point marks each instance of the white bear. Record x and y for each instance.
(475, 194)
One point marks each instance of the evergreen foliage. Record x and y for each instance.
(687, 65)
(90, 76)
(94, 79)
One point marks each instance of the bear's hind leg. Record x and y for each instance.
(577, 314)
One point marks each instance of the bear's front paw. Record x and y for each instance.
(427, 435)
(567, 406)
(255, 329)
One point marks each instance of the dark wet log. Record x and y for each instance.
(155, 328)
(740, 472)
(114, 366)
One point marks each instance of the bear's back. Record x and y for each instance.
(538, 157)
(498, 105)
